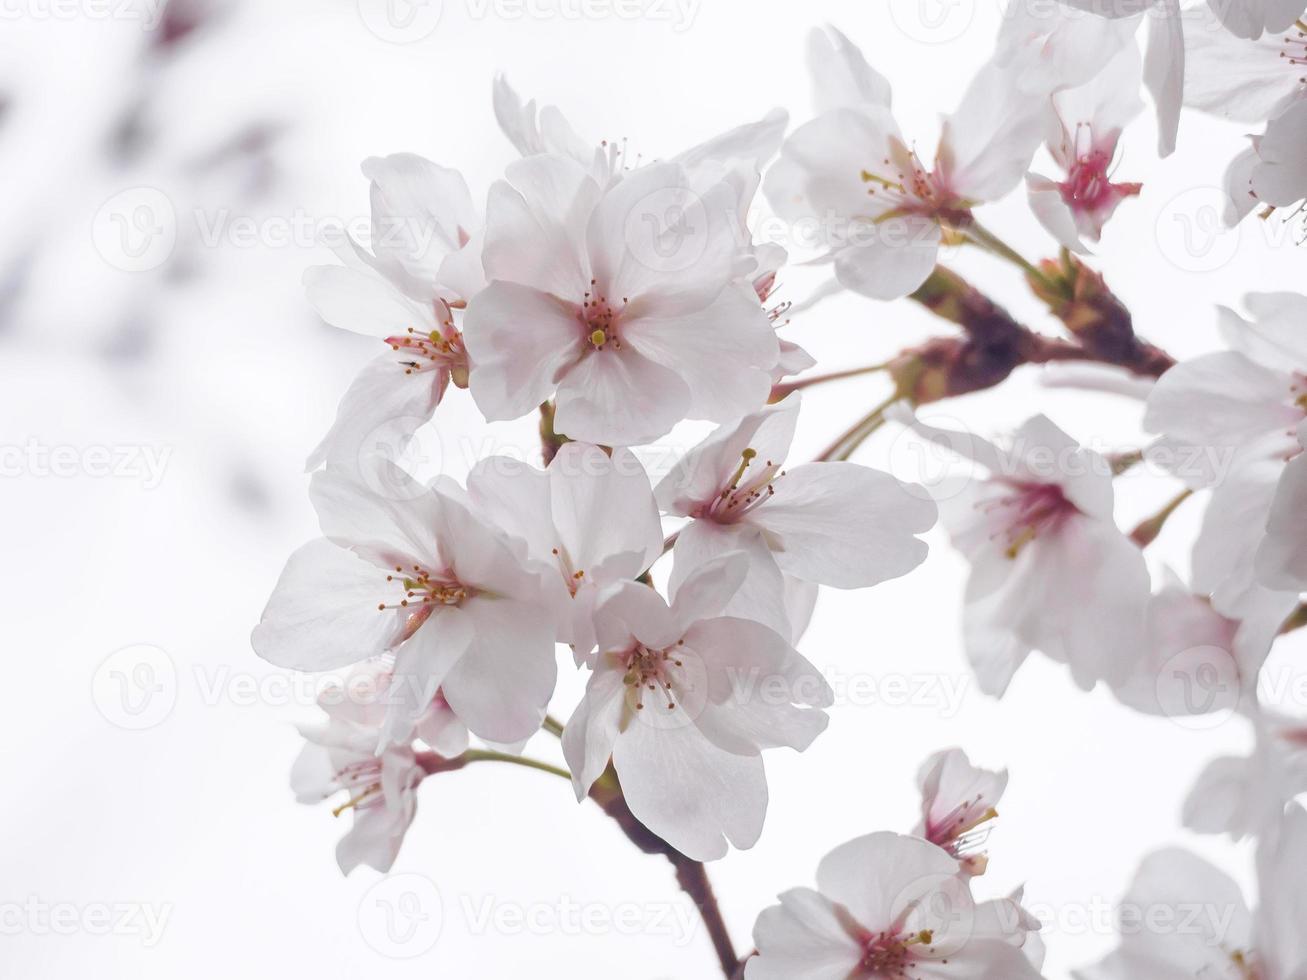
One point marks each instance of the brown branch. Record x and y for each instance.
(994, 344)
(690, 875)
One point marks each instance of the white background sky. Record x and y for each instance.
(235, 380)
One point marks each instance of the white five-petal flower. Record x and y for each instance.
(882, 208)
(422, 577)
(1040, 535)
(889, 907)
(827, 523)
(625, 302)
(423, 262)
(1189, 919)
(684, 699)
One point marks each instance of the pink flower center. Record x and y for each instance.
(889, 954)
(363, 780)
(440, 349)
(651, 670)
(740, 496)
(911, 188)
(1089, 187)
(959, 831)
(600, 319)
(1246, 964)
(1294, 51)
(1030, 510)
(423, 592)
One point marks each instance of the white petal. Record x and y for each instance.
(1222, 400)
(323, 612)
(1053, 212)
(1164, 70)
(760, 691)
(803, 938)
(724, 353)
(390, 530)
(603, 507)
(988, 142)
(520, 341)
(619, 398)
(381, 410)
(878, 876)
(845, 525)
(1230, 77)
(707, 469)
(421, 212)
(535, 226)
(705, 592)
(840, 73)
(657, 242)
(503, 682)
(762, 596)
(818, 175)
(1282, 556)
(690, 793)
(628, 610)
(591, 731)
(364, 302)
(753, 142)
(891, 259)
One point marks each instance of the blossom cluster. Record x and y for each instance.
(619, 298)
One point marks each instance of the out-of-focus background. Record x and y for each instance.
(166, 170)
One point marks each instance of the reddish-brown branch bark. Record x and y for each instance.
(690, 874)
(993, 344)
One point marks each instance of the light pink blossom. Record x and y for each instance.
(828, 523)
(685, 699)
(888, 907)
(624, 302)
(426, 579)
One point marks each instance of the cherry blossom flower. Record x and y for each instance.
(1271, 172)
(1040, 535)
(546, 130)
(591, 516)
(1239, 408)
(685, 699)
(1050, 48)
(1087, 123)
(426, 579)
(1233, 78)
(625, 302)
(835, 523)
(1246, 795)
(957, 801)
(1253, 81)
(888, 906)
(1251, 18)
(1164, 69)
(341, 756)
(884, 210)
(1208, 929)
(423, 262)
(1197, 661)
(1281, 559)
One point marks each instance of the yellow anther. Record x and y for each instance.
(598, 338)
